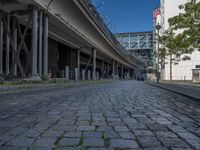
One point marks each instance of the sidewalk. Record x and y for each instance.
(187, 89)
(47, 85)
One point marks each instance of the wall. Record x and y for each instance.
(182, 71)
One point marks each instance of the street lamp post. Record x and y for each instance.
(158, 27)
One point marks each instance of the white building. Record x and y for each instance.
(182, 71)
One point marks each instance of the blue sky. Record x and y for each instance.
(128, 15)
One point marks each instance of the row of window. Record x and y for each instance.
(134, 45)
(127, 38)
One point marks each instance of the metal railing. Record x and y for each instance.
(128, 55)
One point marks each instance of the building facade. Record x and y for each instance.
(182, 70)
(140, 44)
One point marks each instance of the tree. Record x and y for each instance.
(188, 23)
(172, 48)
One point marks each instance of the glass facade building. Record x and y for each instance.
(140, 44)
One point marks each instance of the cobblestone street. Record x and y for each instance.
(106, 116)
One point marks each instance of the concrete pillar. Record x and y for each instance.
(83, 74)
(122, 72)
(45, 41)
(113, 69)
(78, 63)
(34, 40)
(89, 75)
(14, 35)
(1, 43)
(67, 72)
(40, 44)
(8, 47)
(76, 74)
(94, 64)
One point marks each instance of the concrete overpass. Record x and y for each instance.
(64, 38)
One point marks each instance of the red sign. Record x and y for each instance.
(156, 13)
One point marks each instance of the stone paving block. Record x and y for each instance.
(86, 128)
(40, 147)
(73, 134)
(21, 141)
(70, 141)
(174, 142)
(52, 134)
(93, 142)
(138, 126)
(92, 135)
(69, 148)
(157, 127)
(13, 148)
(156, 148)
(44, 142)
(148, 142)
(121, 129)
(143, 133)
(123, 144)
(111, 134)
(126, 135)
(100, 149)
(165, 134)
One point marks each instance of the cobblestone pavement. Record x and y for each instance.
(120, 115)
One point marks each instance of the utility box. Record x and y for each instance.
(196, 75)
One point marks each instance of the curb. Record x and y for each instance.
(196, 98)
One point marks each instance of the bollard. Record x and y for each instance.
(97, 75)
(76, 74)
(83, 74)
(67, 72)
(89, 75)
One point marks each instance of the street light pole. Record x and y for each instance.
(158, 27)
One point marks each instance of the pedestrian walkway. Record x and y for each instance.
(186, 89)
(120, 115)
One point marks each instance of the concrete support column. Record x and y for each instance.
(40, 44)
(78, 63)
(94, 64)
(122, 72)
(67, 72)
(83, 74)
(45, 41)
(8, 46)
(113, 69)
(14, 35)
(89, 75)
(34, 40)
(1, 43)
